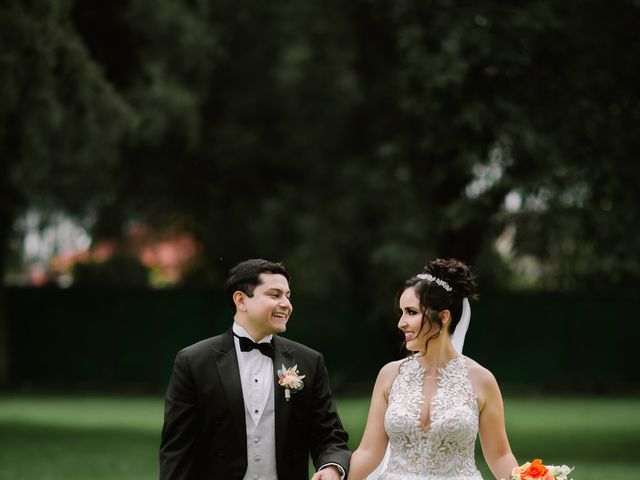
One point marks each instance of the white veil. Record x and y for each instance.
(457, 338)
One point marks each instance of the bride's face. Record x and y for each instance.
(411, 321)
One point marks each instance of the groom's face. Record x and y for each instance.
(269, 308)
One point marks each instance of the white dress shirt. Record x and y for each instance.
(256, 376)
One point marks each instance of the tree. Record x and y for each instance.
(62, 122)
(353, 141)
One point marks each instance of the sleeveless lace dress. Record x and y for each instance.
(446, 450)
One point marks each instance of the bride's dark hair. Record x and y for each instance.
(434, 298)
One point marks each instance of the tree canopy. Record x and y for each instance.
(354, 141)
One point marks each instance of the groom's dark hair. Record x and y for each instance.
(245, 276)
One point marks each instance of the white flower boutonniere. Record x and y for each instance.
(290, 379)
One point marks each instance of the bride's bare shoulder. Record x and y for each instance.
(386, 377)
(484, 383)
(389, 372)
(478, 374)
(392, 368)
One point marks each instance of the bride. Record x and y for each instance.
(427, 409)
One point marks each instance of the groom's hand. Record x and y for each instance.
(330, 472)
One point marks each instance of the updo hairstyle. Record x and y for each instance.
(434, 298)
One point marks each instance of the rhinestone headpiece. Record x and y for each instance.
(431, 278)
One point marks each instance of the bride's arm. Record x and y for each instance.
(374, 440)
(493, 435)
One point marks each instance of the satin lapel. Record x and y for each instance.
(282, 408)
(227, 363)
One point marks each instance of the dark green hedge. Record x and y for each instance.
(119, 339)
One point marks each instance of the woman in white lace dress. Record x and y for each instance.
(427, 410)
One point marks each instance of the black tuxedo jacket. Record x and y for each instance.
(204, 432)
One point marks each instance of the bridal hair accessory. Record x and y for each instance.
(290, 379)
(431, 278)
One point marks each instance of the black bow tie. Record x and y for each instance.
(246, 345)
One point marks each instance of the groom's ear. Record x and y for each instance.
(239, 299)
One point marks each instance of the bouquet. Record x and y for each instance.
(536, 470)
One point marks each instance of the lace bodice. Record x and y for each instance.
(445, 451)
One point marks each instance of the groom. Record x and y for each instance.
(226, 416)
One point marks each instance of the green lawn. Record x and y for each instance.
(85, 437)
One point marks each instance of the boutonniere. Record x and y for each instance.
(290, 379)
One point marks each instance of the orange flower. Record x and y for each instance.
(535, 470)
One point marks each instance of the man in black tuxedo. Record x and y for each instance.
(226, 415)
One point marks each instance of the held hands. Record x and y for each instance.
(330, 472)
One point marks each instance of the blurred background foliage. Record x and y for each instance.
(352, 140)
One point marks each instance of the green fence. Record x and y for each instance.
(118, 339)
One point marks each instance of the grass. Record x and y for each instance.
(55, 438)
(87, 437)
